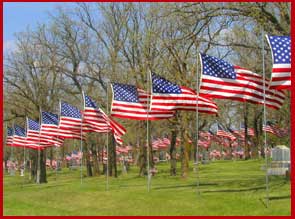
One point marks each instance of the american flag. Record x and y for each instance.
(221, 79)
(33, 134)
(77, 155)
(204, 143)
(237, 132)
(281, 55)
(9, 137)
(49, 129)
(275, 130)
(95, 120)
(224, 133)
(250, 131)
(20, 138)
(205, 134)
(169, 96)
(166, 141)
(159, 144)
(70, 122)
(132, 103)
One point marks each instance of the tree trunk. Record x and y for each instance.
(87, 158)
(34, 164)
(173, 153)
(142, 159)
(95, 160)
(151, 155)
(246, 148)
(112, 164)
(184, 155)
(51, 156)
(43, 178)
(113, 142)
(64, 162)
(88, 164)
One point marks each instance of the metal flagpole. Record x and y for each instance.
(56, 163)
(39, 148)
(23, 182)
(24, 161)
(264, 122)
(197, 129)
(107, 176)
(81, 143)
(147, 138)
(11, 151)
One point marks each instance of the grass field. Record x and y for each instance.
(226, 188)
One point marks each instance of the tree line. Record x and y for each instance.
(92, 44)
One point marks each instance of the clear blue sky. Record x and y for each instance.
(19, 15)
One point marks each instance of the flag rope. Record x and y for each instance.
(264, 122)
(81, 143)
(108, 160)
(39, 147)
(147, 137)
(197, 129)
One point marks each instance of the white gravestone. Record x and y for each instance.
(280, 160)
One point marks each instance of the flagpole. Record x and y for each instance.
(56, 163)
(24, 164)
(11, 151)
(264, 122)
(108, 160)
(39, 148)
(81, 143)
(38, 155)
(147, 136)
(197, 128)
(24, 159)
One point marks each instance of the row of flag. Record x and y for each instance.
(219, 79)
(71, 124)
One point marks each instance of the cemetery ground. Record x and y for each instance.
(226, 188)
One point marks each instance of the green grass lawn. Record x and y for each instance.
(226, 188)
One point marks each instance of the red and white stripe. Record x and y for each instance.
(33, 139)
(250, 131)
(247, 86)
(281, 76)
(49, 133)
(140, 110)
(187, 100)
(9, 140)
(70, 128)
(225, 134)
(95, 120)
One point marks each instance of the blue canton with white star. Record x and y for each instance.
(163, 86)
(68, 110)
(49, 118)
(19, 131)
(125, 93)
(33, 125)
(89, 102)
(281, 49)
(9, 131)
(215, 67)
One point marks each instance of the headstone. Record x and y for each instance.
(280, 163)
(12, 172)
(205, 157)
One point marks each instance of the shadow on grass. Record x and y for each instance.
(184, 186)
(236, 190)
(279, 197)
